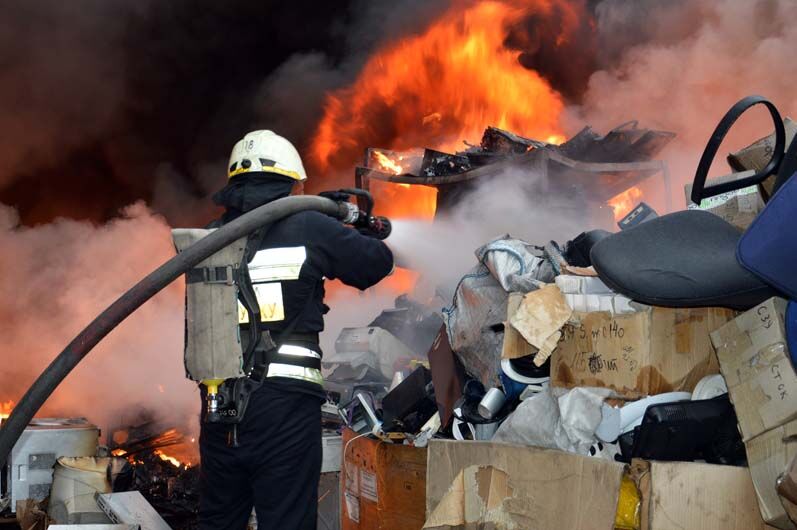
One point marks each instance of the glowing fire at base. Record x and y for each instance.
(625, 202)
(5, 409)
(172, 460)
(402, 201)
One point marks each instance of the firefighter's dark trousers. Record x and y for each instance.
(276, 467)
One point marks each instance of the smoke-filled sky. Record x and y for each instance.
(105, 103)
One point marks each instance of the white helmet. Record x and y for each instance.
(264, 151)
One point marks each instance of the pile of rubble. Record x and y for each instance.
(59, 476)
(569, 384)
(585, 172)
(641, 379)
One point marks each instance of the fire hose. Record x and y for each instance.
(153, 283)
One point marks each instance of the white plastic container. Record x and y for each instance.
(29, 472)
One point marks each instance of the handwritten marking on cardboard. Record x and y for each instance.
(765, 316)
(775, 369)
(597, 364)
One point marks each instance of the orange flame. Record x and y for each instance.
(386, 164)
(172, 460)
(441, 87)
(5, 409)
(625, 202)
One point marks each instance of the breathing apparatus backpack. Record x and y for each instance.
(216, 355)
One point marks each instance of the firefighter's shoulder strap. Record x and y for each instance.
(248, 297)
(212, 340)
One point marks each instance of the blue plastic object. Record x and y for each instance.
(768, 248)
(791, 331)
(512, 388)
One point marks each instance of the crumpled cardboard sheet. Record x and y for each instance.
(540, 317)
(486, 485)
(556, 419)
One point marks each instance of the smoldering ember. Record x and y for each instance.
(447, 264)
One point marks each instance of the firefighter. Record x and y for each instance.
(276, 464)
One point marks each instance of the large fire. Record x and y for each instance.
(439, 88)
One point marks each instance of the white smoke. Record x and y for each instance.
(56, 278)
(441, 252)
(682, 64)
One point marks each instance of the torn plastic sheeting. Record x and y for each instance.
(567, 422)
(479, 307)
(513, 264)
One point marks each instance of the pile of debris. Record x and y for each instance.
(59, 475)
(588, 170)
(169, 484)
(569, 384)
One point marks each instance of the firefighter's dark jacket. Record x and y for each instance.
(334, 251)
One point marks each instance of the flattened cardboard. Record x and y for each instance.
(652, 351)
(515, 487)
(688, 495)
(768, 456)
(383, 485)
(755, 362)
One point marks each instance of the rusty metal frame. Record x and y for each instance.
(541, 158)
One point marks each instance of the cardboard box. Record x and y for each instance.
(768, 455)
(649, 352)
(383, 485)
(738, 207)
(757, 155)
(754, 360)
(492, 485)
(787, 489)
(688, 495)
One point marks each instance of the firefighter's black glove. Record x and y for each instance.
(336, 196)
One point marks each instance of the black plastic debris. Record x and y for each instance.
(641, 213)
(687, 431)
(409, 406)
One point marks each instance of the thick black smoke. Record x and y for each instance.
(103, 102)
